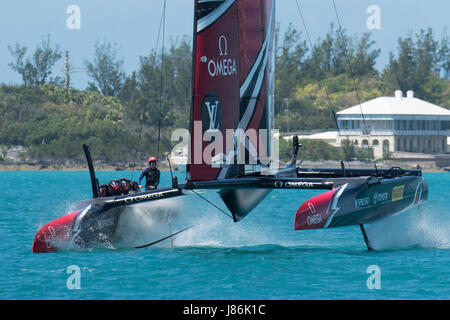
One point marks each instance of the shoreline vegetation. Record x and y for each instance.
(425, 166)
(126, 118)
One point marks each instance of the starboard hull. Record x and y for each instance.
(361, 203)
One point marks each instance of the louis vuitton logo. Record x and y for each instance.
(212, 113)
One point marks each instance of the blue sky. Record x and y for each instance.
(133, 24)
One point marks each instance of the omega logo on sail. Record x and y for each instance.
(222, 65)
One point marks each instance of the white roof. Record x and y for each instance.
(398, 105)
(328, 135)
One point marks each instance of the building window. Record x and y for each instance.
(375, 143)
(345, 124)
(385, 146)
(365, 142)
(366, 127)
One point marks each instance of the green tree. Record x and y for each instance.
(364, 60)
(37, 69)
(312, 150)
(339, 54)
(400, 73)
(106, 70)
(418, 66)
(348, 148)
(289, 63)
(444, 55)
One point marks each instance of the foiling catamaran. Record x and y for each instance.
(233, 93)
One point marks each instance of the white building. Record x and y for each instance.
(448, 144)
(331, 137)
(390, 124)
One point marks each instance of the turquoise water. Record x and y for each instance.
(261, 257)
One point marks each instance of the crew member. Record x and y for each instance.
(151, 175)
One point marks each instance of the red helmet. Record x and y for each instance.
(114, 185)
(152, 159)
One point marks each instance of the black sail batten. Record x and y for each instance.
(207, 12)
(205, 8)
(250, 95)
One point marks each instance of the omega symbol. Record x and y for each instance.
(311, 208)
(223, 41)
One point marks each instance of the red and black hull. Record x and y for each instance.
(95, 222)
(361, 202)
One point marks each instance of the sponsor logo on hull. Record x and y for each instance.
(313, 213)
(377, 198)
(397, 193)
(105, 223)
(280, 184)
(314, 218)
(380, 197)
(362, 202)
(53, 233)
(144, 197)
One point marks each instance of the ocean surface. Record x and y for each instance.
(261, 257)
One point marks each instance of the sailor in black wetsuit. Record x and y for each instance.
(151, 175)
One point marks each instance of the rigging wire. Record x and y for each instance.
(211, 203)
(327, 93)
(161, 92)
(165, 238)
(355, 85)
(142, 115)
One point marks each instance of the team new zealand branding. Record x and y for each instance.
(380, 197)
(211, 112)
(223, 65)
(362, 202)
